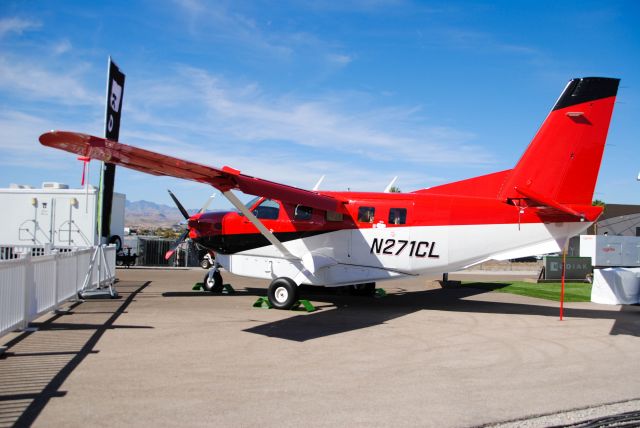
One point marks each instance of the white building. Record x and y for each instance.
(55, 215)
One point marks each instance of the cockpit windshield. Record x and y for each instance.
(249, 204)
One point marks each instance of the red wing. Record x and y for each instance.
(157, 164)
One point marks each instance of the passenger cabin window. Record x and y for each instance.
(268, 210)
(366, 214)
(334, 216)
(302, 213)
(397, 216)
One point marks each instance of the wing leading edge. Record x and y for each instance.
(149, 162)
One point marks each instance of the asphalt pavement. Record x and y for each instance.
(165, 355)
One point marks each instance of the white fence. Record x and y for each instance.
(31, 286)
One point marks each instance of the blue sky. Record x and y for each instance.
(357, 90)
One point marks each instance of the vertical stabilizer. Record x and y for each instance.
(562, 162)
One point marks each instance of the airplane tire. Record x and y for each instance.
(282, 293)
(117, 241)
(212, 283)
(204, 264)
(367, 289)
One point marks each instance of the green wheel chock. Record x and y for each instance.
(308, 306)
(262, 302)
(380, 292)
(228, 289)
(197, 286)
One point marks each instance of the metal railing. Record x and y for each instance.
(30, 286)
(10, 252)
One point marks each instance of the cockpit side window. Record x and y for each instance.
(268, 210)
(397, 216)
(302, 212)
(366, 214)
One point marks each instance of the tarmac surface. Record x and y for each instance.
(164, 355)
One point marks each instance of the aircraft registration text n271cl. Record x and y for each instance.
(397, 247)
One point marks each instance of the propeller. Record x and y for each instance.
(186, 216)
(184, 212)
(175, 245)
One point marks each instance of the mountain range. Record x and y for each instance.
(148, 214)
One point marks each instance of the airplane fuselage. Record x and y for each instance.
(379, 236)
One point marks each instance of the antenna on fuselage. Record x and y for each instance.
(206, 204)
(390, 185)
(317, 186)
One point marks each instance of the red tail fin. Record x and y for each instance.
(562, 162)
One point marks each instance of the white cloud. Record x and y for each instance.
(29, 78)
(339, 59)
(265, 40)
(392, 132)
(61, 47)
(16, 25)
(207, 119)
(20, 131)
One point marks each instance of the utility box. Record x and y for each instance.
(611, 251)
(576, 268)
(55, 215)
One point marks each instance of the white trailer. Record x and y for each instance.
(611, 251)
(55, 215)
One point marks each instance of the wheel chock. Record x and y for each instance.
(228, 289)
(308, 306)
(262, 302)
(380, 292)
(197, 286)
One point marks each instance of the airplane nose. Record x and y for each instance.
(205, 224)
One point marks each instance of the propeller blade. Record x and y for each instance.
(184, 212)
(206, 204)
(175, 245)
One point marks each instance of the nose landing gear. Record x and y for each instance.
(212, 281)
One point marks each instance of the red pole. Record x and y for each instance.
(85, 161)
(564, 263)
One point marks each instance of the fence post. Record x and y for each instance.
(56, 258)
(28, 289)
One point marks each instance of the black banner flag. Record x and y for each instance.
(115, 93)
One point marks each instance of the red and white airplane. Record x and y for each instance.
(294, 236)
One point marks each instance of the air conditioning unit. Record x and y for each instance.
(54, 185)
(20, 186)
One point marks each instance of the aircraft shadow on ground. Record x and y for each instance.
(353, 313)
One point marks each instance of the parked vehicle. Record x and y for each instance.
(206, 261)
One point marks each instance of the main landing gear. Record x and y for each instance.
(282, 293)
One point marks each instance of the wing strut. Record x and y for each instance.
(258, 224)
